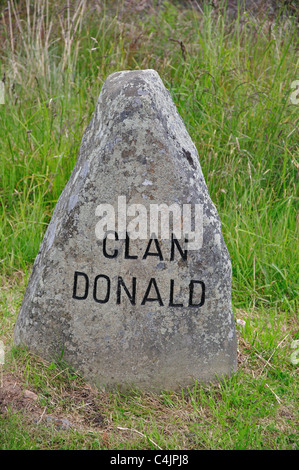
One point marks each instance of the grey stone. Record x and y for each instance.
(146, 312)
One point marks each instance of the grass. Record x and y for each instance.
(231, 81)
(254, 409)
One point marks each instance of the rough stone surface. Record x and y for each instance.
(137, 146)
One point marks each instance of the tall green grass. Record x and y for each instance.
(231, 82)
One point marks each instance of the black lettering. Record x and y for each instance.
(191, 291)
(174, 242)
(132, 297)
(158, 253)
(171, 304)
(105, 300)
(151, 299)
(84, 296)
(127, 249)
(115, 253)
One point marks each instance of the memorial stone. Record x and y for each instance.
(132, 282)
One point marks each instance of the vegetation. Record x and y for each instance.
(231, 80)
